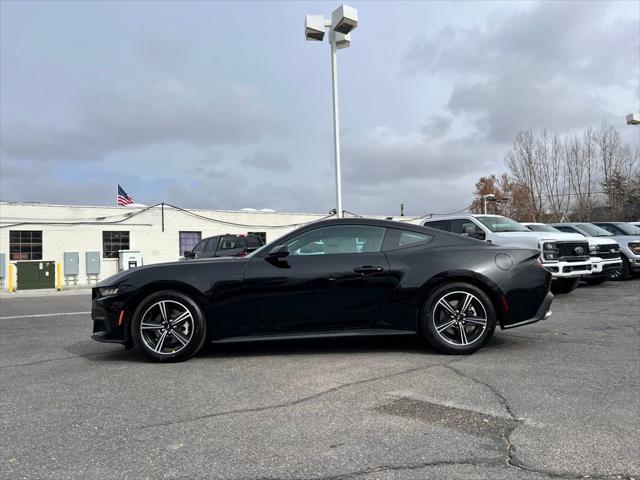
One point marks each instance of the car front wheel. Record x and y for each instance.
(458, 318)
(168, 326)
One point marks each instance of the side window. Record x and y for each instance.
(261, 235)
(253, 242)
(440, 225)
(339, 239)
(397, 238)
(232, 242)
(463, 226)
(199, 248)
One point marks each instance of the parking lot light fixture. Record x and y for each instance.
(343, 20)
(488, 196)
(633, 119)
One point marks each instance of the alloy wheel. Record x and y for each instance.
(459, 318)
(167, 327)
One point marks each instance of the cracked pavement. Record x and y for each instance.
(557, 399)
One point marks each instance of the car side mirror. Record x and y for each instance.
(480, 235)
(279, 251)
(188, 254)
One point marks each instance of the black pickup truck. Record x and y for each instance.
(224, 246)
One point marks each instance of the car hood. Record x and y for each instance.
(601, 241)
(120, 276)
(626, 238)
(562, 236)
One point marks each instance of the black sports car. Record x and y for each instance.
(330, 278)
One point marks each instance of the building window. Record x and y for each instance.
(188, 240)
(112, 242)
(25, 245)
(262, 235)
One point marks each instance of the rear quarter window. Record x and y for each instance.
(397, 238)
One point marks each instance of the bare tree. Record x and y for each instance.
(553, 173)
(523, 161)
(580, 155)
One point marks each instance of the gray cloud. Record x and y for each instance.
(143, 114)
(544, 66)
(384, 156)
(267, 160)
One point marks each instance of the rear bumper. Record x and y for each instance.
(543, 313)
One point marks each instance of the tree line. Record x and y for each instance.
(588, 176)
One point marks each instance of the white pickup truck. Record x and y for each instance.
(605, 253)
(566, 256)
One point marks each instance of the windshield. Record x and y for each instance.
(627, 229)
(594, 230)
(539, 227)
(502, 224)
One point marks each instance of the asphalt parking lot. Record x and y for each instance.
(559, 399)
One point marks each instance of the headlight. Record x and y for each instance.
(107, 291)
(635, 247)
(550, 251)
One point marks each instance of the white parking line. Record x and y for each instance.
(43, 315)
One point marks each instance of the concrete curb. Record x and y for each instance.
(44, 293)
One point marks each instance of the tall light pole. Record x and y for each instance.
(488, 196)
(343, 20)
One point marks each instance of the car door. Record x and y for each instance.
(334, 278)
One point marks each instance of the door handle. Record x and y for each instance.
(367, 270)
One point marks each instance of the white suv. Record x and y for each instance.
(566, 256)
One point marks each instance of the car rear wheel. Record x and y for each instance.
(168, 326)
(458, 318)
(565, 285)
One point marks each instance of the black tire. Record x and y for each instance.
(174, 327)
(434, 316)
(623, 272)
(595, 280)
(565, 285)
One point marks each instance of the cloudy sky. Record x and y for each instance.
(224, 105)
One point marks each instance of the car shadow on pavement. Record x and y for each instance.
(403, 344)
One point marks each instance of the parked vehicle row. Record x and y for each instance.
(571, 252)
(626, 235)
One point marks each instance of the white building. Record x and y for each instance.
(42, 232)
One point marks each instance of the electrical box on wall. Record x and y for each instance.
(71, 263)
(93, 263)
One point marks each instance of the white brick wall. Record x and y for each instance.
(145, 229)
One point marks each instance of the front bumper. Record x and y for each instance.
(604, 267)
(543, 313)
(108, 321)
(568, 269)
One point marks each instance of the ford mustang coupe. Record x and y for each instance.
(330, 278)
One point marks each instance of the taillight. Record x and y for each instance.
(242, 254)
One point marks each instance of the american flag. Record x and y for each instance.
(123, 198)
